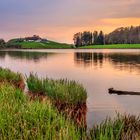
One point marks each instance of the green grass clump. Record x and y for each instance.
(113, 46)
(61, 90)
(123, 127)
(107, 130)
(7, 75)
(32, 120)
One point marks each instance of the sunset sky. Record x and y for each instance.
(59, 19)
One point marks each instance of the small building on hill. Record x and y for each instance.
(35, 38)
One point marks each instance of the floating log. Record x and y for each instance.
(120, 92)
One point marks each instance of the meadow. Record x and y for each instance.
(113, 46)
(14, 43)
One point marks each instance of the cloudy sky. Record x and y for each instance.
(60, 19)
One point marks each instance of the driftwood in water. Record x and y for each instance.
(119, 92)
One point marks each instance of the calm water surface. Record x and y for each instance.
(97, 70)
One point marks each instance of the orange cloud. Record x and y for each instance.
(121, 21)
(65, 34)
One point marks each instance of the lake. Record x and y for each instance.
(97, 70)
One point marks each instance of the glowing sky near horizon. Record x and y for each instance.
(59, 19)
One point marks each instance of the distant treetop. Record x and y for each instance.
(122, 35)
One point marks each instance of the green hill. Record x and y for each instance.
(21, 44)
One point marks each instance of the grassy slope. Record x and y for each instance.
(50, 45)
(114, 46)
(38, 45)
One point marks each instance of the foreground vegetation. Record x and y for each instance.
(61, 90)
(67, 96)
(123, 127)
(15, 79)
(113, 46)
(23, 118)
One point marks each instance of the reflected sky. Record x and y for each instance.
(97, 70)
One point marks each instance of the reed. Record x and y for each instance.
(61, 90)
(8, 75)
(15, 79)
(24, 119)
(123, 127)
(68, 97)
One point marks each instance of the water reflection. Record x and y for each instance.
(121, 61)
(125, 61)
(30, 56)
(88, 59)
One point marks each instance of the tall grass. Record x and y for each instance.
(123, 127)
(24, 119)
(15, 79)
(107, 130)
(7, 75)
(59, 90)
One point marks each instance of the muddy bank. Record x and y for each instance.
(76, 112)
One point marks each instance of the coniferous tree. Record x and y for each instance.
(2, 43)
(100, 38)
(95, 37)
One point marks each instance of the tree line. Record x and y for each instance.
(123, 35)
(127, 35)
(2, 43)
(88, 38)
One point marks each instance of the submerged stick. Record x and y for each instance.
(120, 92)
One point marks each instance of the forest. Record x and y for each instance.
(122, 35)
(2, 43)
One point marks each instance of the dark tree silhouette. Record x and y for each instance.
(122, 35)
(95, 37)
(88, 38)
(100, 40)
(2, 43)
(127, 35)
